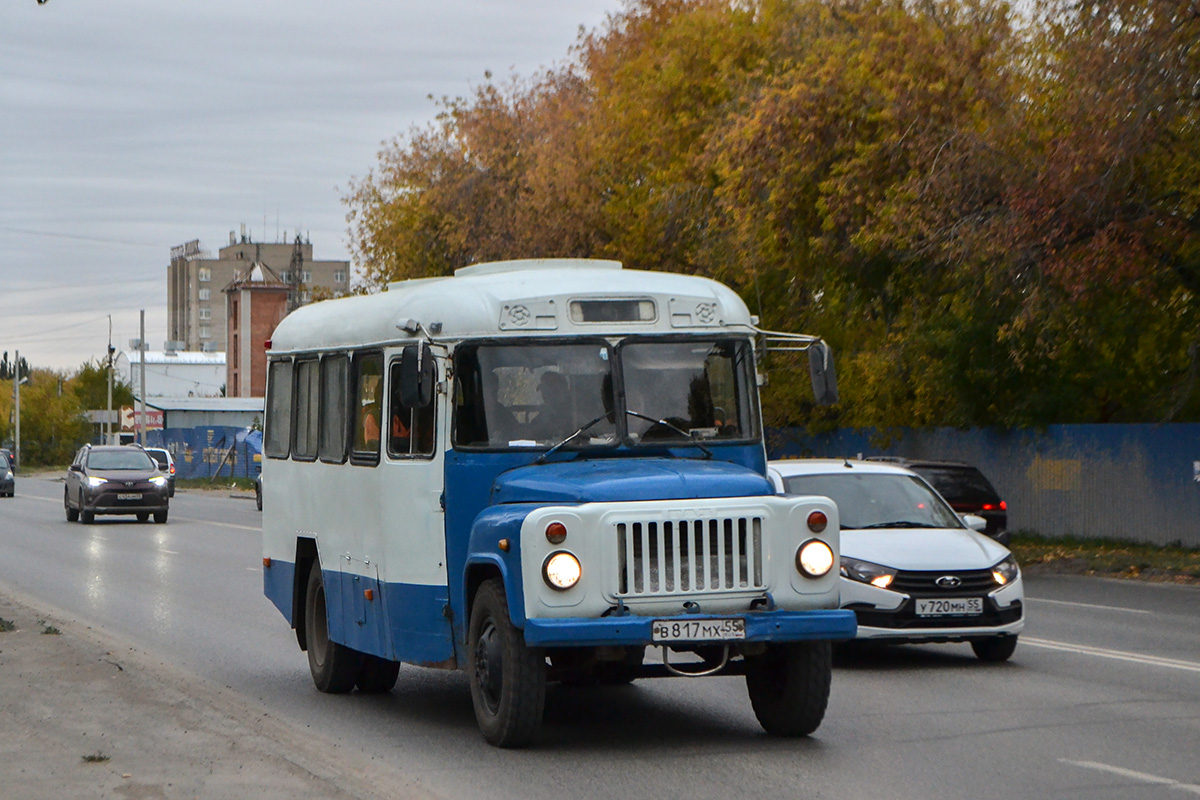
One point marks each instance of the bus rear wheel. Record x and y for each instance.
(508, 679)
(334, 667)
(789, 686)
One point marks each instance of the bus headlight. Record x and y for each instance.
(561, 571)
(814, 558)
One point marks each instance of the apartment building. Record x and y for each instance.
(196, 283)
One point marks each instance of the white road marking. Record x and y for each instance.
(1144, 777)
(1119, 655)
(218, 524)
(1090, 605)
(177, 519)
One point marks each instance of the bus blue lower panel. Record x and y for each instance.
(761, 626)
(400, 621)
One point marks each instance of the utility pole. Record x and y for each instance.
(108, 419)
(142, 380)
(17, 408)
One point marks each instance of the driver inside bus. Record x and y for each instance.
(555, 417)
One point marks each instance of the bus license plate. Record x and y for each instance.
(129, 496)
(697, 630)
(950, 607)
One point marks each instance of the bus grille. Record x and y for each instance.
(672, 557)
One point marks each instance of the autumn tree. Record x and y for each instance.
(992, 216)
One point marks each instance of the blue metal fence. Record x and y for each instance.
(1129, 482)
(208, 451)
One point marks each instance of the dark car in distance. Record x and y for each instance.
(115, 479)
(7, 483)
(964, 487)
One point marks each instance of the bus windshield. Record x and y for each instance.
(643, 391)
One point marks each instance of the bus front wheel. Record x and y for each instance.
(508, 679)
(334, 667)
(789, 686)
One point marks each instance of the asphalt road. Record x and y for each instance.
(1101, 700)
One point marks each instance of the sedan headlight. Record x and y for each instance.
(866, 572)
(95, 482)
(159, 480)
(1006, 571)
(561, 571)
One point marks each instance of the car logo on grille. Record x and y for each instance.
(948, 581)
(128, 484)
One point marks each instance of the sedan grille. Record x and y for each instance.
(672, 557)
(925, 584)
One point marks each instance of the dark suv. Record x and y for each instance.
(115, 479)
(965, 488)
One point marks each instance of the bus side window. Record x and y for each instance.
(305, 397)
(368, 412)
(400, 417)
(335, 397)
(410, 430)
(278, 436)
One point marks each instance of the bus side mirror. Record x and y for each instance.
(824, 379)
(417, 376)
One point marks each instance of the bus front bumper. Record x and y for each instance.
(761, 626)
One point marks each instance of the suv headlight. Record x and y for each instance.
(866, 572)
(159, 480)
(95, 482)
(1006, 571)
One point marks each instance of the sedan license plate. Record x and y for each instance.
(129, 496)
(697, 630)
(950, 607)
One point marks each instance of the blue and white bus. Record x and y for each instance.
(533, 471)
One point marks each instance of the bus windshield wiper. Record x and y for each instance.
(690, 439)
(542, 458)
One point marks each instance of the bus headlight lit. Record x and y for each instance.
(561, 571)
(814, 558)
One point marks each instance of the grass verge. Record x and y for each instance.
(1110, 559)
(220, 484)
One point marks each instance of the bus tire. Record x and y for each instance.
(72, 513)
(334, 667)
(377, 675)
(789, 686)
(508, 679)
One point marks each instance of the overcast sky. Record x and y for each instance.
(131, 126)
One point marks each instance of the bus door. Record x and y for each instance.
(415, 585)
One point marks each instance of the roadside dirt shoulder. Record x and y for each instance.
(83, 715)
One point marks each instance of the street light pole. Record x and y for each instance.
(142, 380)
(17, 409)
(108, 419)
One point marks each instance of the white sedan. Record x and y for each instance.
(912, 570)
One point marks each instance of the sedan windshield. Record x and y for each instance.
(119, 459)
(874, 500)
